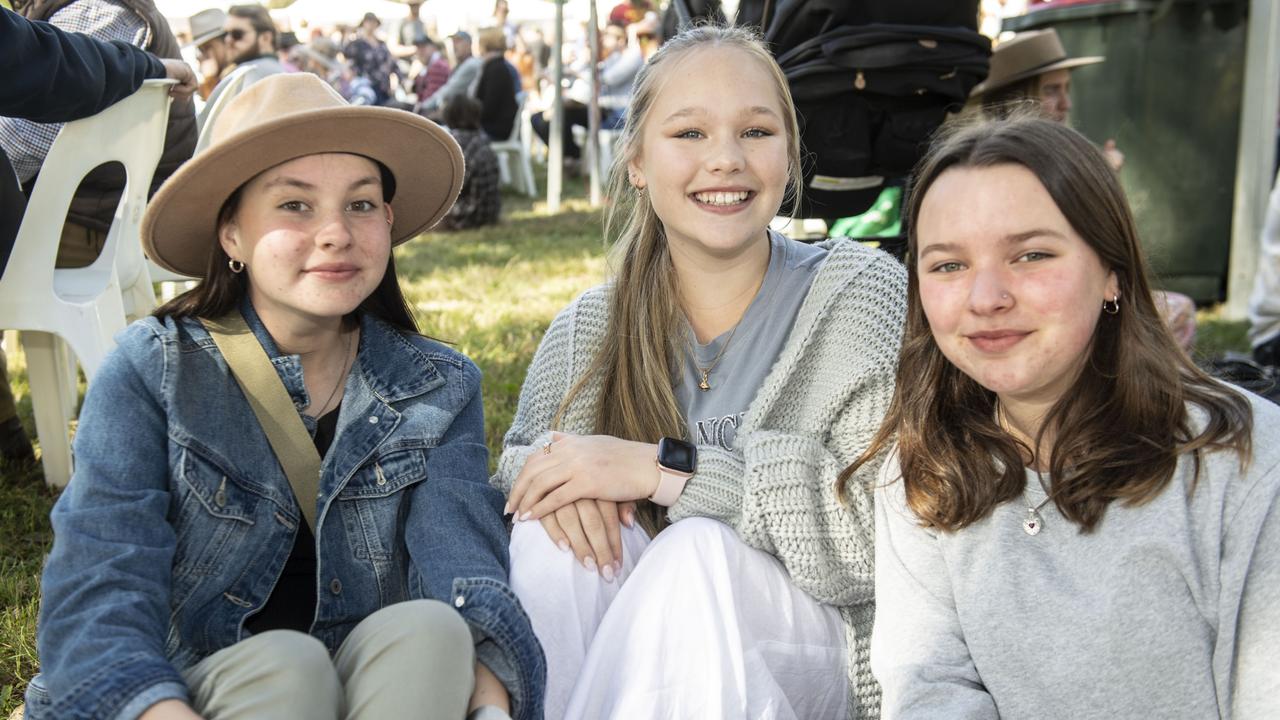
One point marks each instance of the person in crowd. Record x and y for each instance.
(502, 21)
(465, 74)
(370, 58)
(323, 59)
(621, 62)
(284, 50)
(435, 68)
(629, 11)
(251, 43)
(480, 200)
(671, 466)
(496, 89)
(522, 58)
(190, 575)
(1032, 68)
(1264, 301)
(57, 76)
(1069, 501)
(208, 35)
(251, 35)
(403, 40)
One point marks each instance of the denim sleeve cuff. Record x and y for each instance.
(488, 652)
(120, 690)
(151, 696)
(504, 641)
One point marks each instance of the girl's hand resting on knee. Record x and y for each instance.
(576, 467)
(591, 530)
(169, 710)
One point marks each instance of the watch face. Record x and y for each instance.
(677, 455)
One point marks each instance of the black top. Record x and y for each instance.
(55, 76)
(496, 92)
(292, 604)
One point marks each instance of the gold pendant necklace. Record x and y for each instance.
(705, 383)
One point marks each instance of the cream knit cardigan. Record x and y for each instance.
(816, 411)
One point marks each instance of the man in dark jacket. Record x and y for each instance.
(57, 76)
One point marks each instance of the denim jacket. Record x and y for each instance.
(178, 520)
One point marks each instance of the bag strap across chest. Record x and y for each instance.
(272, 406)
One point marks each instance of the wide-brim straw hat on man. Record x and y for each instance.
(1026, 55)
(288, 116)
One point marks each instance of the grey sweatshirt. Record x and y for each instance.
(816, 412)
(1167, 610)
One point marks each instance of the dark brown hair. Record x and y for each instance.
(259, 18)
(1119, 430)
(221, 290)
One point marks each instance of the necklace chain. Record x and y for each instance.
(342, 377)
(704, 384)
(1033, 523)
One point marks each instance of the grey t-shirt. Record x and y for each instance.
(714, 415)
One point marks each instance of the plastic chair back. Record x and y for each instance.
(516, 149)
(82, 307)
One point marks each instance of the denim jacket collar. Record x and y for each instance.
(393, 369)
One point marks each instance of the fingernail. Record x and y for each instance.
(525, 516)
(617, 566)
(506, 509)
(627, 518)
(606, 572)
(563, 545)
(589, 563)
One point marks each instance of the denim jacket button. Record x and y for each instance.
(373, 419)
(335, 586)
(459, 601)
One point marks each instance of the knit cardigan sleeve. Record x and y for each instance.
(818, 410)
(561, 359)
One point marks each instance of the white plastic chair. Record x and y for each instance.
(515, 149)
(231, 86)
(81, 307)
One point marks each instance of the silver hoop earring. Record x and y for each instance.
(236, 266)
(1112, 306)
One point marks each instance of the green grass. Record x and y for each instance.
(490, 292)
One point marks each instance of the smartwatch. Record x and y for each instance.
(676, 462)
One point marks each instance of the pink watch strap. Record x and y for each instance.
(670, 484)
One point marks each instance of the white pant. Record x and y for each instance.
(697, 625)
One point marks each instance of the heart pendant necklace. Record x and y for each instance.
(1032, 524)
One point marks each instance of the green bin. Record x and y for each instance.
(1169, 93)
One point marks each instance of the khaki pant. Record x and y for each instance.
(409, 660)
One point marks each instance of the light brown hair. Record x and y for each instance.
(638, 358)
(1123, 424)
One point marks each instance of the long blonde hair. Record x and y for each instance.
(639, 356)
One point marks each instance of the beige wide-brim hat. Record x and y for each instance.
(206, 25)
(1026, 55)
(284, 117)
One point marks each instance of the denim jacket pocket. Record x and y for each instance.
(216, 512)
(374, 502)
